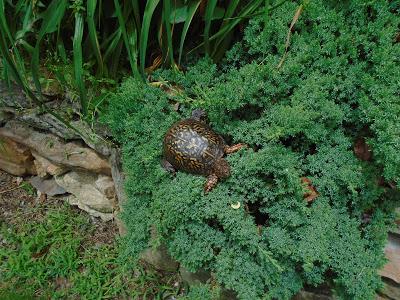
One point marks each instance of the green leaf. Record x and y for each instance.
(128, 45)
(179, 14)
(144, 34)
(211, 4)
(190, 14)
(90, 19)
(166, 13)
(78, 61)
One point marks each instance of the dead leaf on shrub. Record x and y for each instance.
(311, 192)
(169, 89)
(362, 149)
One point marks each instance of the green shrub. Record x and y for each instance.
(338, 82)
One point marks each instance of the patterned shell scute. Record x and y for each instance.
(192, 146)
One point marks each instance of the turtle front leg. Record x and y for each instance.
(167, 166)
(234, 148)
(212, 181)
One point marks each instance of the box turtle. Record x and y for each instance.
(192, 146)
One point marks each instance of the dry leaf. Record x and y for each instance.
(156, 63)
(311, 192)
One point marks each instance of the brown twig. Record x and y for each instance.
(287, 44)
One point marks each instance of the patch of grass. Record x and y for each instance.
(55, 256)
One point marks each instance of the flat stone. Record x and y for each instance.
(391, 290)
(15, 158)
(68, 154)
(160, 259)
(392, 252)
(307, 295)
(193, 278)
(82, 185)
(46, 186)
(45, 167)
(72, 200)
(105, 185)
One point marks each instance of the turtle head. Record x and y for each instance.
(222, 168)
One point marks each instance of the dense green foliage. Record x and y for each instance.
(339, 82)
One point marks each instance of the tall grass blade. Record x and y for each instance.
(78, 61)
(136, 13)
(211, 4)
(144, 34)
(232, 22)
(90, 19)
(121, 20)
(168, 31)
(193, 6)
(51, 21)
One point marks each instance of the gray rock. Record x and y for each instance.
(160, 259)
(13, 96)
(88, 195)
(307, 295)
(44, 167)
(73, 200)
(391, 290)
(193, 278)
(392, 252)
(70, 154)
(46, 186)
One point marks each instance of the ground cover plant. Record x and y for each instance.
(310, 104)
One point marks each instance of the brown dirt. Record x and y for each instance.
(19, 202)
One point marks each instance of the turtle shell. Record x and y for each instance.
(192, 146)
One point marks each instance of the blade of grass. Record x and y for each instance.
(250, 7)
(90, 19)
(113, 42)
(229, 12)
(51, 20)
(144, 34)
(121, 20)
(168, 31)
(211, 4)
(136, 13)
(193, 6)
(77, 61)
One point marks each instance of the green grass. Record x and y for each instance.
(54, 257)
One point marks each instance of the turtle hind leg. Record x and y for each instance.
(234, 148)
(211, 182)
(167, 166)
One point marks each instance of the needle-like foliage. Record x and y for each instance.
(302, 117)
